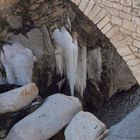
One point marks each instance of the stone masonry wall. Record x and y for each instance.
(119, 20)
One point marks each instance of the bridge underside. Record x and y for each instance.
(120, 22)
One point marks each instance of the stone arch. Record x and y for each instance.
(119, 20)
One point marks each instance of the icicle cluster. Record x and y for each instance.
(18, 62)
(67, 59)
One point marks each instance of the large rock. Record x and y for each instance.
(17, 99)
(50, 118)
(128, 128)
(84, 126)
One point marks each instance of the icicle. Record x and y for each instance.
(81, 71)
(18, 62)
(68, 59)
(59, 60)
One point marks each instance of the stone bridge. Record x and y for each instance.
(119, 20)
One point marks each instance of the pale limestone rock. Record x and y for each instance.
(84, 126)
(17, 99)
(46, 121)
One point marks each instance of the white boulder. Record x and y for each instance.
(18, 98)
(84, 126)
(46, 121)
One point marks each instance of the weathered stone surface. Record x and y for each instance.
(16, 99)
(15, 21)
(88, 126)
(46, 121)
(128, 128)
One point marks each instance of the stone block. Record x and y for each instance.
(136, 43)
(77, 2)
(89, 7)
(107, 3)
(118, 6)
(133, 62)
(124, 51)
(83, 4)
(136, 36)
(124, 15)
(116, 20)
(106, 28)
(129, 57)
(96, 9)
(126, 2)
(103, 22)
(125, 31)
(114, 31)
(136, 4)
(134, 49)
(136, 20)
(138, 29)
(99, 16)
(112, 11)
(117, 38)
(129, 25)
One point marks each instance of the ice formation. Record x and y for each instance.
(81, 71)
(67, 59)
(18, 62)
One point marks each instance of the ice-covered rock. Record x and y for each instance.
(127, 129)
(18, 98)
(84, 126)
(18, 62)
(46, 121)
